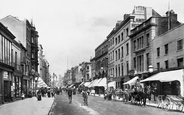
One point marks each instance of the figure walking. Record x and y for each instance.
(85, 97)
(70, 95)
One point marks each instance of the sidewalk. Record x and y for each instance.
(28, 106)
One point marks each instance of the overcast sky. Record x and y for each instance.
(74, 28)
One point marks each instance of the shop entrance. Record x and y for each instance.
(7, 91)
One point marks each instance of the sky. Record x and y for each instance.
(71, 30)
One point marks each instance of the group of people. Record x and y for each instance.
(84, 94)
(135, 93)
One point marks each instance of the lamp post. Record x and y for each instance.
(150, 68)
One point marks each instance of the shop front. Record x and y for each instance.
(25, 85)
(167, 83)
(17, 80)
(6, 76)
(8, 86)
(119, 82)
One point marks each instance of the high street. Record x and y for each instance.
(99, 106)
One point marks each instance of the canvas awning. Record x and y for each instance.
(86, 83)
(166, 76)
(96, 83)
(91, 83)
(112, 84)
(41, 83)
(132, 81)
(103, 82)
(81, 83)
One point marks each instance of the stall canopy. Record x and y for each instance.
(112, 84)
(41, 83)
(132, 81)
(91, 83)
(86, 83)
(166, 76)
(81, 83)
(103, 82)
(96, 83)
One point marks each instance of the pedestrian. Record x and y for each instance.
(39, 95)
(85, 96)
(70, 95)
(23, 96)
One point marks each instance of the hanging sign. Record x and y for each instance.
(5, 75)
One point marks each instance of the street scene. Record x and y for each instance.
(99, 106)
(91, 57)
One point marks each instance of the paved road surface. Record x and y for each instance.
(99, 106)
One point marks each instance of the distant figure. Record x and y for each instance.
(70, 95)
(85, 96)
(23, 96)
(39, 95)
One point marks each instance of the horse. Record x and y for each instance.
(138, 96)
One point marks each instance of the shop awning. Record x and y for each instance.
(71, 86)
(86, 83)
(91, 83)
(166, 76)
(81, 83)
(103, 82)
(41, 83)
(96, 83)
(112, 84)
(132, 81)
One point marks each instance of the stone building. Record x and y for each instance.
(101, 59)
(6, 65)
(168, 49)
(93, 68)
(141, 40)
(25, 33)
(119, 50)
(17, 74)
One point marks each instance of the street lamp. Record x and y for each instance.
(150, 68)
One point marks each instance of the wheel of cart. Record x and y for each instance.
(174, 103)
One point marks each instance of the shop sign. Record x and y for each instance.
(5, 75)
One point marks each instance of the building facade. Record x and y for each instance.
(40, 60)
(6, 65)
(141, 40)
(93, 68)
(17, 74)
(23, 68)
(85, 71)
(25, 33)
(119, 51)
(168, 49)
(101, 60)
